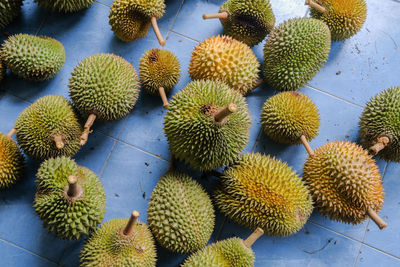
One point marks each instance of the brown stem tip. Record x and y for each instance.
(378, 220)
(58, 139)
(221, 15)
(157, 31)
(221, 115)
(307, 146)
(253, 237)
(380, 144)
(164, 98)
(86, 129)
(315, 5)
(72, 186)
(132, 221)
(12, 132)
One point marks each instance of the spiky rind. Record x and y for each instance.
(344, 17)
(130, 19)
(287, 116)
(226, 253)
(65, 5)
(195, 137)
(108, 247)
(11, 162)
(105, 85)
(344, 181)
(180, 213)
(39, 123)
(34, 58)
(249, 21)
(159, 68)
(64, 217)
(9, 10)
(260, 191)
(221, 58)
(381, 118)
(294, 53)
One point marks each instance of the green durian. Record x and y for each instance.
(221, 58)
(49, 128)
(33, 58)
(131, 19)
(103, 87)
(159, 72)
(380, 125)
(9, 10)
(118, 243)
(65, 5)
(294, 53)
(12, 162)
(344, 182)
(70, 199)
(248, 21)
(287, 116)
(344, 17)
(260, 191)
(207, 124)
(180, 213)
(227, 253)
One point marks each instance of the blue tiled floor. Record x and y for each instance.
(130, 155)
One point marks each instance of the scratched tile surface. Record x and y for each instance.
(131, 154)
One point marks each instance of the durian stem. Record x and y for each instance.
(253, 237)
(316, 6)
(380, 144)
(221, 15)
(157, 31)
(221, 115)
(58, 139)
(164, 98)
(258, 83)
(310, 151)
(12, 132)
(378, 220)
(73, 190)
(86, 129)
(132, 221)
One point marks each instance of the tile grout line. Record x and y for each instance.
(184, 36)
(176, 17)
(27, 250)
(333, 231)
(334, 96)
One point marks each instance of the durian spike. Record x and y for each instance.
(253, 237)
(258, 83)
(221, 15)
(132, 221)
(73, 189)
(310, 151)
(381, 143)
(378, 220)
(58, 139)
(164, 98)
(157, 31)
(86, 128)
(225, 112)
(316, 6)
(12, 132)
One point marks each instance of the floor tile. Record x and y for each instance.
(10, 108)
(372, 257)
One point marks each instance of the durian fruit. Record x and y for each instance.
(34, 58)
(49, 128)
(227, 253)
(12, 162)
(120, 242)
(207, 124)
(221, 58)
(260, 191)
(2, 70)
(104, 87)
(344, 182)
(65, 5)
(294, 53)
(131, 19)
(344, 17)
(180, 213)
(380, 125)
(9, 10)
(248, 21)
(159, 72)
(290, 118)
(70, 199)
